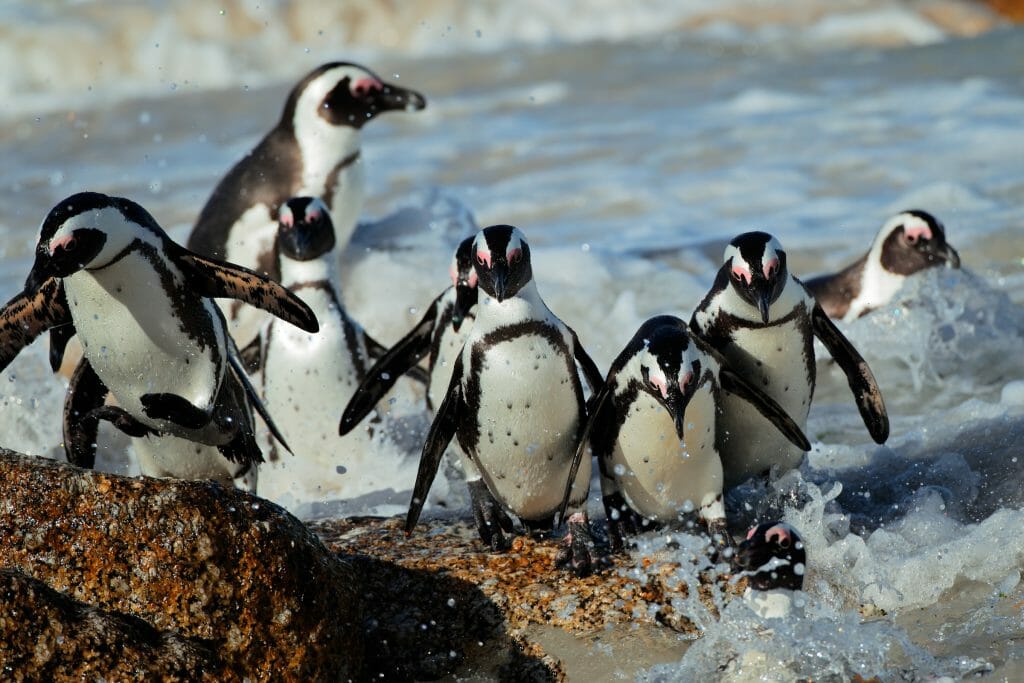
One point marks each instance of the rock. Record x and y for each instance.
(239, 584)
(47, 636)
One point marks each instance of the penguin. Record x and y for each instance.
(516, 404)
(763, 321)
(909, 242)
(314, 150)
(774, 560)
(439, 336)
(305, 377)
(652, 429)
(151, 335)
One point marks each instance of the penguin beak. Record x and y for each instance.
(499, 278)
(394, 98)
(676, 402)
(949, 255)
(764, 302)
(465, 299)
(42, 270)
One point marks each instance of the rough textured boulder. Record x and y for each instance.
(225, 585)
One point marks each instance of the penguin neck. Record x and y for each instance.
(877, 285)
(321, 269)
(776, 603)
(525, 305)
(332, 168)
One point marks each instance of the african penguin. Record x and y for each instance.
(306, 377)
(908, 242)
(439, 336)
(652, 429)
(774, 560)
(151, 335)
(763, 322)
(314, 150)
(515, 403)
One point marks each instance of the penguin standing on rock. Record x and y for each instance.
(652, 428)
(763, 322)
(908, 243)
(314, 150)
(307, 376)
(439, 336)
(515, 403)
(151, 334)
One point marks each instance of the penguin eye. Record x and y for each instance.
(784, 542)
(911, 238)
(516, 256)
(480, 260)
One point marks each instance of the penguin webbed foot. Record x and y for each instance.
(577, 551)
(492, 522)
(623, 521)
(120, 418)
(723, 548)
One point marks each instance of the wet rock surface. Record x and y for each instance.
(238, 583)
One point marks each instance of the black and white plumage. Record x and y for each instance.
(774, 560)
(652, 428)
(151, 334)
(439, 336)
(515, 403)
(909, 242)
(763, 322)
(314, 150)
(307, 376)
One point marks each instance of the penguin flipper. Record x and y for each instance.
(238, 371)
(443, 428)
(766, 405)
(598, 406)
(378, 350)
(86, 393)
(29, 314)
(220, 279)
(395, 362)
(858, 375)
(587, 364)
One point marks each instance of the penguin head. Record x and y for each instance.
(304, 229)
(464, 280)
(756, 267)
(671, 369)
(501, 258)
(912, 241)
(344, 94)
(772, 556)
(88, 230)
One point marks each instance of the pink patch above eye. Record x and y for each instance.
(778, 534)
(742, 273)
(917, 230)
(472, 279)
(750, 534)
(514, 255)
(62, 243)
(313, 215)
(364, 86)
(659, 384)
(770, 267)
(454, 275)
(484, 257)
(685, 380)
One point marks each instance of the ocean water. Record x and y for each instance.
(629, 142)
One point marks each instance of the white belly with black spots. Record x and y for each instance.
(659, 475)
(134, 339)
(751, 443)
(528, 419)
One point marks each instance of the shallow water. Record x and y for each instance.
(629, 157)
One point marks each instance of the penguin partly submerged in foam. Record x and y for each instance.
(314, 150)
(515, 403)
(151, 334)
(774, 560)
(652, 427)
(909, 242)
(763, 321)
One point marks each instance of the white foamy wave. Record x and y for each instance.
(60, 54)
